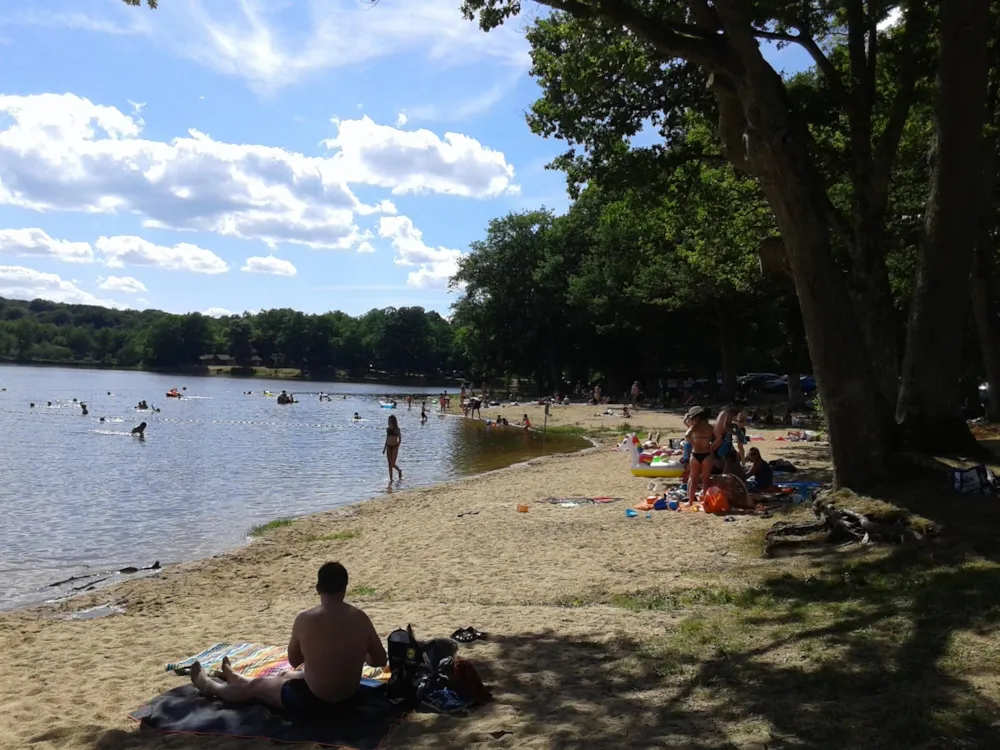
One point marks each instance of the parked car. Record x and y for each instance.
(756, 379)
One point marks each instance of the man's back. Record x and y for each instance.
(334, 641)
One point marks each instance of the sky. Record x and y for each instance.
(223, 156)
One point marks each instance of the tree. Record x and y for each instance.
(929, 400)
(239, 341)
(845, 300)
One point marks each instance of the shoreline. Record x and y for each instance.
(250, 538)
(544, 584)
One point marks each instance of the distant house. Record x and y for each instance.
(216, 359)
(255, 361)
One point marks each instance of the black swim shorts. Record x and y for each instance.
(298, 699)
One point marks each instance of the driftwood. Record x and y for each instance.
(840, 526)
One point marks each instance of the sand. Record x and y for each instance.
(560, 657)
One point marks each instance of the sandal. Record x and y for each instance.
(468, 635)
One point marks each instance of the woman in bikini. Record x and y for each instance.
(393, 437)
(700, 435)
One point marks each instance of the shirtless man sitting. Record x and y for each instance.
(329, 646)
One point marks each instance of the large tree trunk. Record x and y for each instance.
(756, 124)
(727, 358)
(929, 406)
(986, 311)
(873, 304)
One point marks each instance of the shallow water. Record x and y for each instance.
(80, 497)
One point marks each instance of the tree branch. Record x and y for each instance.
(899, 111)
(809, 44)
(672, 40)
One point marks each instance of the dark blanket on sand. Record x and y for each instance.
(362, 723)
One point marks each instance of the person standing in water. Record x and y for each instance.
(393, 437)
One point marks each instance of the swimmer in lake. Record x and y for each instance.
(357, 417)
(423, 413)
(140, 431)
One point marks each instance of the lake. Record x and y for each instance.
(79, 497)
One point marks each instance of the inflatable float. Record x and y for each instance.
(659, 467)
(385, 405)
(173, 394)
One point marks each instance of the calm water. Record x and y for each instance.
(78, 496)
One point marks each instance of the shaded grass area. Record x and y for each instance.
(867, 647)
(266, 528)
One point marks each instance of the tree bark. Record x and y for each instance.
(794, 389)
(727, 359)
(986, 311)
(929, 406)
(776, 151)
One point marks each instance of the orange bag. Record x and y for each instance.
(714, 500)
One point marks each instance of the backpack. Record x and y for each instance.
(975, 481)
(406, 665)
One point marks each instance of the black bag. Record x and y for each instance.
(406, 665)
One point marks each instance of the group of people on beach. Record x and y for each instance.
(720, 447)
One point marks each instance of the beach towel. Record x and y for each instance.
(254, 660)
(361, 724)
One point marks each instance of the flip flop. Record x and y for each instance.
(468, 635)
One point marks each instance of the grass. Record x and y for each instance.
(266, 528)
(358, 592)
(858, 646)
(337, 536)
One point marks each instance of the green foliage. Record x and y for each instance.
(400, 341)
(265, 528)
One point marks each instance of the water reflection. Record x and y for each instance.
(80, 495)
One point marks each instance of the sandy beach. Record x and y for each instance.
(573, 656)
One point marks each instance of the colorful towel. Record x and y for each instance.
(580, 500)
(253, 660)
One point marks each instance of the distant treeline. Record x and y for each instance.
(399, 341)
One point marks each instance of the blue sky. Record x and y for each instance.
(231, 155)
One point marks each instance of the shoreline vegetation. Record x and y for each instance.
(706, 641)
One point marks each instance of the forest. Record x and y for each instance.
(396, 341)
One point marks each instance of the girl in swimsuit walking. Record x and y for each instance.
(393, 437)
(700, 435)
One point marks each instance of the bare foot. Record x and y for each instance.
(400, 474)
(228, 674)
(201, 680)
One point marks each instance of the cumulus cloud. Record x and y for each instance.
(366, 247)
(436, 265)
(217, 312)
(271, 265)
(418, 161)
(123, 284)
(37, 243)
(19, 282)
(125, 250)
(62, 152)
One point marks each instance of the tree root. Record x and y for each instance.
(838, 526)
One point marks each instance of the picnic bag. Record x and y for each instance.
(975, 481)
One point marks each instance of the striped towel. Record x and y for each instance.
(253, 660)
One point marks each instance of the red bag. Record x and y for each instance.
(468, 684)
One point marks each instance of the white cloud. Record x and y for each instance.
(62, 152)
(401, 119)
(123, 284)
(19, 282)
(418, 161)
(466, 109)
(136, 106)
(436, 265)
(37, 243)
(217, 312)
(134, 251)
(135, 24)
(366, 247)
(269, 264)
(272, 45)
